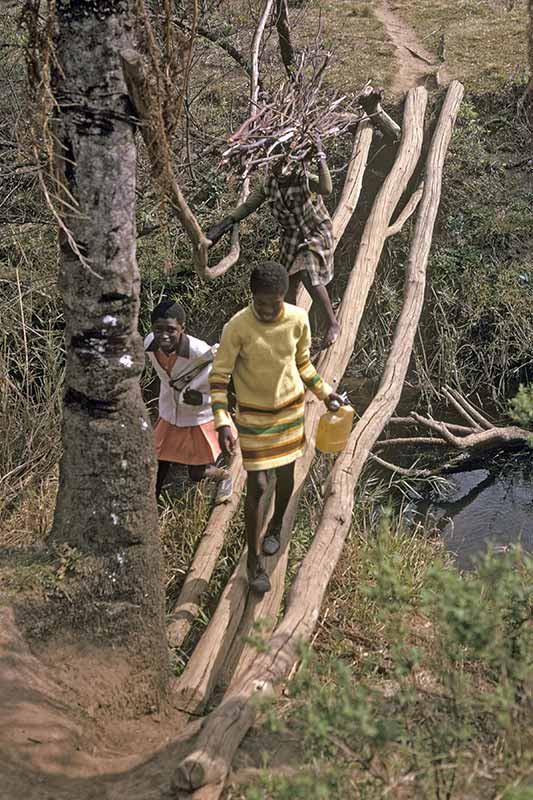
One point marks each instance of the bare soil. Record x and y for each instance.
(55, 742)
(415, 63)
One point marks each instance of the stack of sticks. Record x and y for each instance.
(288, 125)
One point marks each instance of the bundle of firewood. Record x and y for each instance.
(288, 124)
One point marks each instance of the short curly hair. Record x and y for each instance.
(269, 277)
(168, 309)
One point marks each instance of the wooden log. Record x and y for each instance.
(353, 181)
(225, 727)
(371, 99)
(188, 603)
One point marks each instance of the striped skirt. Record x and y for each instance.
(270, 438)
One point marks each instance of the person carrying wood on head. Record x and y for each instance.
(265, 348)
(306, 252)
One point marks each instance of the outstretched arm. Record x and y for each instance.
(250, 205)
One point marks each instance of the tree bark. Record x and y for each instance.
(224, 728)
(106, 503)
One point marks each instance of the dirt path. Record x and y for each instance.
(415, 62)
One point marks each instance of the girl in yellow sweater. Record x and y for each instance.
(265, 348)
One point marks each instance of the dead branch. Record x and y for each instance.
(284, 36)
(218, 39)
(411, 440)
(410, 421)
(408, 472)
(468, 407)
(225, 727)
(493, 437)
(152, 130)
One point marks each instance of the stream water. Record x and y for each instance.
(490, 504)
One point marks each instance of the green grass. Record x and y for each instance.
(419, 685)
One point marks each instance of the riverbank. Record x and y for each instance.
(420, 684)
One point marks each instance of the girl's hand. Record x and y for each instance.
(336, 399)
(192, 397)
(226, 441)
(217, 231)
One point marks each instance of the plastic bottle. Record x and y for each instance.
(334, 428)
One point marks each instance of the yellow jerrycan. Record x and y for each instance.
(334, 428)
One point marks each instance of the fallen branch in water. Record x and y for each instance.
(480, 434)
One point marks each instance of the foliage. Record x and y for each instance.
(522, 406)
(440, 704)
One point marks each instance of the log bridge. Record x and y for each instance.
(222, 657)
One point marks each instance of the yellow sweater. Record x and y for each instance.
(269, 362)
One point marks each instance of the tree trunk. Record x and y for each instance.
(106, 504)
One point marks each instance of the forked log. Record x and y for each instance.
(225, 727)
(469, 440)
(200, 675)
(188, 603)
(371, 99)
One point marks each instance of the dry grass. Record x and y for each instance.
(485, 40)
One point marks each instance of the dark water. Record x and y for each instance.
(490, 504)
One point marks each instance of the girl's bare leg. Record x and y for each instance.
(284, 490)
(254, 510)
(162, 472)
(320, 295)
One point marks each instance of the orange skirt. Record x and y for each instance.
(196, 444)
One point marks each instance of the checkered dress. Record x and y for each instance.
(307, 230)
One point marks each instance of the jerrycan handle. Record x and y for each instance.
(335, 405)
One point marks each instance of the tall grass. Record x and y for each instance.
(31, 376)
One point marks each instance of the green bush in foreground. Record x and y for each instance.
(440, 706)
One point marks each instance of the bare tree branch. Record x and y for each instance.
(284, 36)
(220, 41)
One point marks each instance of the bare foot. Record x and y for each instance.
(332, 334)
